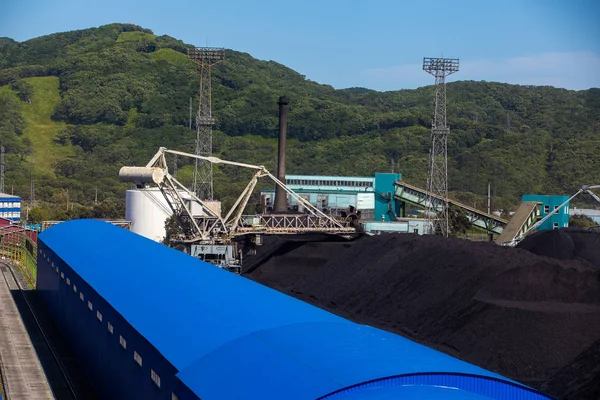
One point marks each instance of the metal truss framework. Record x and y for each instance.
(214, 229)
(437, 183)
(295, 224)
(419, 197)
(205, 58)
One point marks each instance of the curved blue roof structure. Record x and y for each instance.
(231, 338)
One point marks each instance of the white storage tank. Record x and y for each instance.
(147, 209)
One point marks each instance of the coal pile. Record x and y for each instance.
(530, 317)
(565, 244)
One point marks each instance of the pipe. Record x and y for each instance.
(280, 195)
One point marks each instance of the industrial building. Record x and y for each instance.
(10, 207)
(548, 204)
(370, 195)
(149, 322)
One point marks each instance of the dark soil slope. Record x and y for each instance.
(532, 318)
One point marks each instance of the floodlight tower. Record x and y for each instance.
(205, 58)
(437, 184)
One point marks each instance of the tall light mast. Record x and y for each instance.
(205, 58)
(437, 184)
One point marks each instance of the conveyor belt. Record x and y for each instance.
(525, 216)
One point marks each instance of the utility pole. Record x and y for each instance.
(2, 168)
(32, 183)
(437, 184)
(490, 235)
(205, 58)
(96, 196)
(489, 198)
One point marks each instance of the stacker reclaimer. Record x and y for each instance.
(206, 234)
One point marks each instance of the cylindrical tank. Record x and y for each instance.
(147, 209)
(142, 175)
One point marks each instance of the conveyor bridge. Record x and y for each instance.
(414, 195)
(527, 214)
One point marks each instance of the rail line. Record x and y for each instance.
(58, 378)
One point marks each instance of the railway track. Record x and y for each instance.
(55, 375)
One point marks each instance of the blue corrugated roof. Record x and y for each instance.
(153, 287)
(222, 326)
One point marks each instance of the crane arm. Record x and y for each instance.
(213, 160)
(171, 186)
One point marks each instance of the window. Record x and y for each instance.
(75, 288)
(546, 209)
(62, 275)
(57, 270)
(416, 230)
(122, 342)
(90, 305)
(137, 358)
(555, 225)
(555, 208)
(68, 281)
(155, 377)
(99, 316)
(174, 396)
(81, 295)
(110, 328)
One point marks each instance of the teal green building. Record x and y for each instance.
(548, 204)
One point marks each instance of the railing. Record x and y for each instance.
(121, 223)
(18, 246)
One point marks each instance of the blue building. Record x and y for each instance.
(548, 204)
(150, 322)
(10, 207)
(387, 207)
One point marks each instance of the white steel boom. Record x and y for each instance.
(212, 227)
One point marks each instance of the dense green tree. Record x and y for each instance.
(582, 221)
(124, 92)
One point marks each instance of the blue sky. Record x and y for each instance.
(377, 44)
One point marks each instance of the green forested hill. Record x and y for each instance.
(81, 104)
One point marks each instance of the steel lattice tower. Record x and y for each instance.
(437, 184)
(205, 58)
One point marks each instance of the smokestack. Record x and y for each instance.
(280, 195)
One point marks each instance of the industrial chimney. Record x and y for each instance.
(280, 194)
